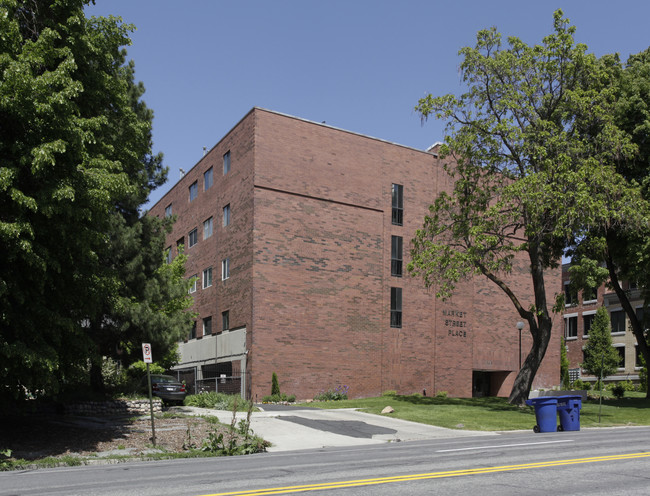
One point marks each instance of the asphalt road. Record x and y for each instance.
(590, 462)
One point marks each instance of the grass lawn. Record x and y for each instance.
(494, 414)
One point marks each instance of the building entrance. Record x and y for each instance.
(481, 384)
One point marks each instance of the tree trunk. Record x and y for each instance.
(524, 380)
(96, 377)
(540, 325)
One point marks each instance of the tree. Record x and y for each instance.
(601, 359)
(620, 252)
(532, 144)
(564, 366)
(75, 165)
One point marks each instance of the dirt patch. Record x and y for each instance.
(33, 437)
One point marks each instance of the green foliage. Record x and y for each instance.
(275, 386)
(239, 439)
(643, 375)
(5, 464)
(581, 385)
(390, 392)
(217, 401)
(138, 369)
(75, 165)
(279, 398)
(600, 355)
(531, 147)
(442, 394)
(618, 390)
(337, 394)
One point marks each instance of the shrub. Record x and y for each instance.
(216, 401)
(618, 391)
(441, 394)
(279, 398)
(581, 385)
(390, 392)
(275, 386)
(340, 393)
(138, 369)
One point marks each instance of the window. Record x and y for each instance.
(195, 278)
(168, 255)
(396, 307)
(207, 278)
(637, 356)
(225, 320)
(589, 295)
(193, 237)
(621, 355)
(207, 179)
(641, 318)
(194, 190)
(193, 331)
(568, 294)
(618, 321)
(207, 228)
(396, 256)
(168, 210)
(226, 162)
(225, 269)
(180, 244)
(571, 327)
(207, 326)
(398, 205)
(226, 215)
(587, 320)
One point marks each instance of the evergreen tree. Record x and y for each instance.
(600, 355)
(564, 366)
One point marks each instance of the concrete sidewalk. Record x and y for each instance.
(295, 429)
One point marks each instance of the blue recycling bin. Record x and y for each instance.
(568, 408)
(545, 413)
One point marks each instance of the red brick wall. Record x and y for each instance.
(233, 242)
(310, 267)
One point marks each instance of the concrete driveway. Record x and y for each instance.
(294, 428)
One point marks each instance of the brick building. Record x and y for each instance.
(298, 234)
(579, 313)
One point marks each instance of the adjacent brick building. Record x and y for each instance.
(580, 310)
(299, 235)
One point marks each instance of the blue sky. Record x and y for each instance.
(360, 65)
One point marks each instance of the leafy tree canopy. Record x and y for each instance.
(533, 146)
(75, 165)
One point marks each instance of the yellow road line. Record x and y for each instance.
(432, 475)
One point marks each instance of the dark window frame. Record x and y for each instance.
(396, 255)
(397, 199)
(396, 307)
(226, 162)
(193, 237)
(617, 321)
(208, 179)
(571, 327)
(194, 190)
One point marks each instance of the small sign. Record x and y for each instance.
(146, 353)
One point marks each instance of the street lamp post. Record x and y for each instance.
(520, 326)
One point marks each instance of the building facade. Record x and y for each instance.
(579, 313)
(298, 235)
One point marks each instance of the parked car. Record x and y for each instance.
(165, 387)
